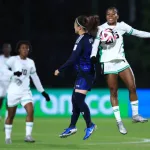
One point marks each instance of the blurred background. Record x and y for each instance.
(48, 25)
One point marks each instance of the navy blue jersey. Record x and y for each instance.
(80, 56)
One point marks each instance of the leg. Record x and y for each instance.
(8, 123)
(29, 122)
(74, 118)
(84, 109)
(112, 81)
(75, 111)
(128, 78)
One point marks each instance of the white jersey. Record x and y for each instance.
(116, 50)
(4, 72)
(20, 85)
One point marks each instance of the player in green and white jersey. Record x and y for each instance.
(114, 64)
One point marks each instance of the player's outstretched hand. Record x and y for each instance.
(56, 73)
(18, 73)
(93, 60)
(46, 96)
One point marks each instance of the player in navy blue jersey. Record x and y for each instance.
(80, 58)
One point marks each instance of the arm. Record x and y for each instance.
(37, 82)
(141, 34)
(131, 31)
(74, 56)
(96, 44)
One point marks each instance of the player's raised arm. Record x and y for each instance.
(135, 32)
(37, 83)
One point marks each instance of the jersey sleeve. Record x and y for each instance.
(33, 68)
(10, 62)
(74, 56)
(127, 28)
(131, 31)
(96, 44)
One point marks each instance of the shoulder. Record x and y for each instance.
(31, 61)
(79, 38)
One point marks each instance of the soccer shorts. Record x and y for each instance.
(85, 81)
(114, 66)
(3, 88)
(15, 99)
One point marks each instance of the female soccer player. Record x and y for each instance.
(19, 91)
(4, 79)
(114, 64)
(80, 58)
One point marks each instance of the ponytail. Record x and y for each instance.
(89, 24)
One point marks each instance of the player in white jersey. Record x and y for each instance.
(19, 91)
(114, 64)
(4, 77)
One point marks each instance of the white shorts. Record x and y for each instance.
(15, 99)
(114, 66)
(3, 88)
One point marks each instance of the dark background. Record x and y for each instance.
(48, 25)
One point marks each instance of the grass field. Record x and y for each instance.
(106, 137)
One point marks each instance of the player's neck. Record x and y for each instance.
(22, 57)
(113, 24)
(6, 55)
(81, 32)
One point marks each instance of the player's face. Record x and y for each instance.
(112, 17)
(76, 28)
(7, 49)
(24, 50)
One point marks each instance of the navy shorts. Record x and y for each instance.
(85, 81)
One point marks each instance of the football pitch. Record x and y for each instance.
(106, 137)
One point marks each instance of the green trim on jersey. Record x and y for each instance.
(123, 68)
(100, 52)
(131, 31)
(98, 38)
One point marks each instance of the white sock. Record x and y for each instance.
(8, 129)
(117, 113)
(29, 126)
(134, 106)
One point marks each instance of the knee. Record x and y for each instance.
(30, 113)
(132, 89)
(113, 91)
(10, 117)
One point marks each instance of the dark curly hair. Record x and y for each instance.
(21, 43)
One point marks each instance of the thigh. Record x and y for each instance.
(29, 107)
(127, 77)
(112, 81)
(12, 111)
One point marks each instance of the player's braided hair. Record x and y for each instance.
(21, 43)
